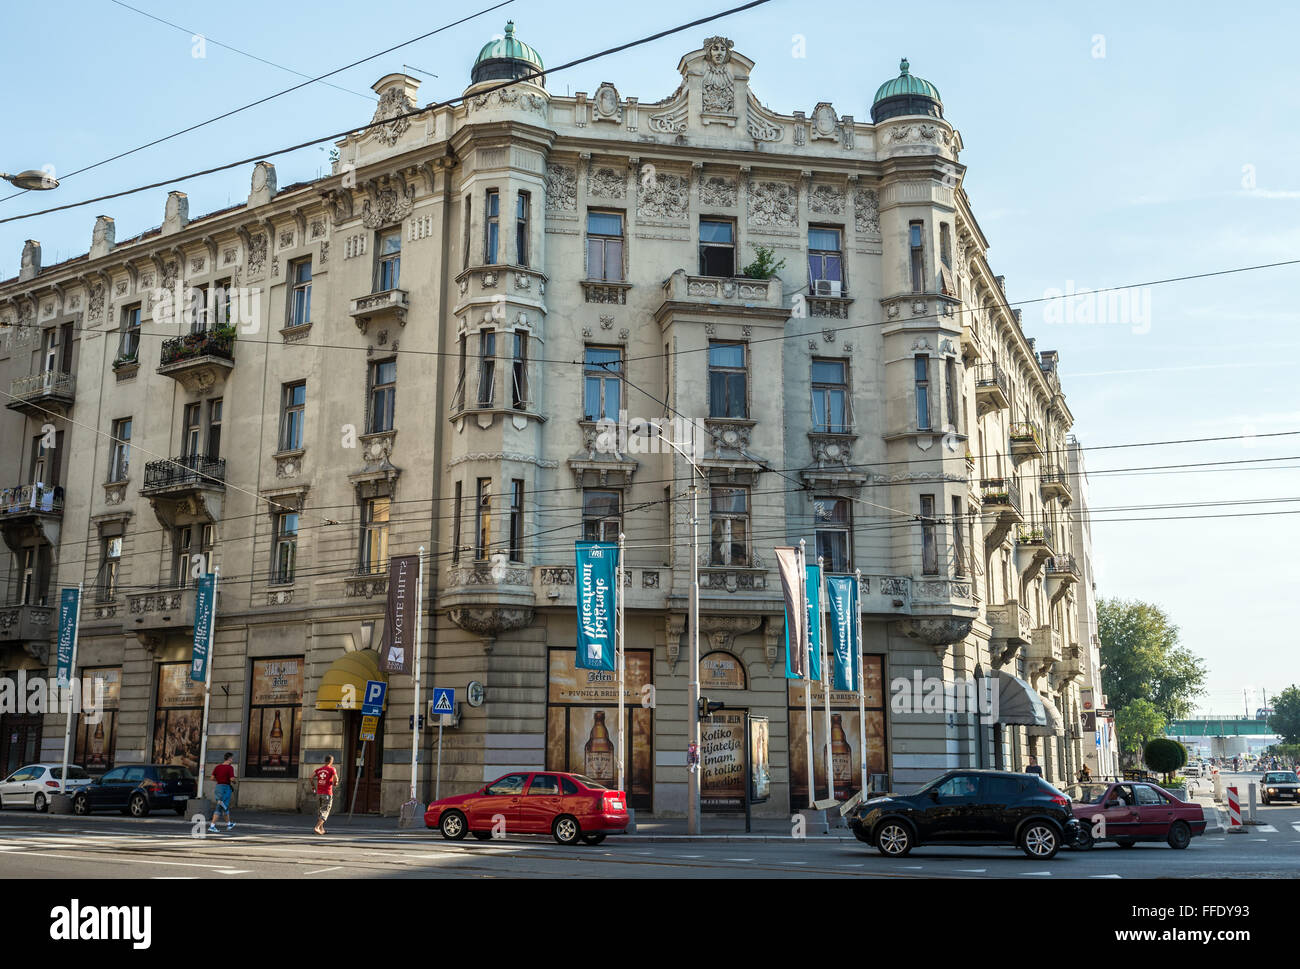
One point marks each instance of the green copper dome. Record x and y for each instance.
(906, 94)
(506, 58)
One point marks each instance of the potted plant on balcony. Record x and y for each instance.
(765, 264)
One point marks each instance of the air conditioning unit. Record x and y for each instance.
(826, 287)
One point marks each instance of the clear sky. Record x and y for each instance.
(1113, 145)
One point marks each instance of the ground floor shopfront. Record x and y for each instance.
(286, 693)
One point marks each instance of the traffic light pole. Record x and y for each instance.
(693, 690)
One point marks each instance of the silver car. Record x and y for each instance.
(32, 786)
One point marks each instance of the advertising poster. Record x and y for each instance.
(721, 671)
(97, 742)
(845, 740)
(179, 716)
(722, 762)
(275, 717)
(760, 759)
(582, 710)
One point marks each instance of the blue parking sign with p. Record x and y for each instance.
(372, 704)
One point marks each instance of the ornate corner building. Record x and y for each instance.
(523, 320)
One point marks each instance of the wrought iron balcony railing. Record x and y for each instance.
(207, 343)
(1001, 491)
(31, 499)
(195, 470)
(47, 383)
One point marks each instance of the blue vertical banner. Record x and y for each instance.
(69, 607)
(842, 604)
(597, 564)
(205, 605)
(814, 592)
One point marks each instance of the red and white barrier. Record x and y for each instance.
(1234, 808)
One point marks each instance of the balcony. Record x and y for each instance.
(31, 626)
(972, 344)
(42, 394)
(1011, 629)
(199, 361)
(992, 390)
(31, 511)
(1054, 482)
(1026, 441)
(388, 304)
(1045, 654)
(754, 300)
(1002, 494)
(1062, 572)
(191, 484)
(150, 616)
(488, 597)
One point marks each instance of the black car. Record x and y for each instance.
(137, 789)
(970, 807)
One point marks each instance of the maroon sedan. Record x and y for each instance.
(569, 807)
(1128, 812)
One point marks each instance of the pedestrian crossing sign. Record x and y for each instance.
(444, 700)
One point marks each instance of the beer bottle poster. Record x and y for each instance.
(275, 717)
(97, 742)
(846, 754)
(722, 761)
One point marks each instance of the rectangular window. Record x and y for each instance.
(483, 518)
(214, 428)
(128, 347)
(275, 717)
(300, 298)
(286, 547)
(458, 401)
(191, 552)
(110, 562)
(717, 247)
(519, 373)
(728, 395)
(193, 430)
(468, 209)
(293, 407)
(27, 569)
(605, 246)
(120, 460)
(383, 395)
(375, 514)
(602, 517)
(950, 391)
(917, 247)
(487, 373)
(221, 302)
(516, 520)
(602, 383)
(834, 527)
(388, 273)
(958, 540)
(41, 462)
(825, 263)
(922, 392)
(50, 350)
(492, 230)
(729, 521)
(830, 395)
(198, 309)
(929, 551)
(945, 244)
(455, 524)
(521, 230)
(178, 719)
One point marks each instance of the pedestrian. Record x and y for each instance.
(1033, 767)
(224, 776)
(326, 778)
(1085, 775)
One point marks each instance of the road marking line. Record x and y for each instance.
(1105, 876)
(973, 871)
(232, 871)
(730, 859)
(1026, 874)
(319, 870)
(913, 867)
(1267, 829)
(690, 856)
(851, 864)
(795, 862)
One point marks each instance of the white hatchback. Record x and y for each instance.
(32, 786)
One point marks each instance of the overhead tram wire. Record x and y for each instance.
(357, 129)
(251, 104)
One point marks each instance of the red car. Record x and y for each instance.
(1129, 812)
(569, 807)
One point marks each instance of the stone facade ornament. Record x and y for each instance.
(866, 211)
(386, 205)
(392, 103)
(607, 183)
(561, 188)
(606, 104)
(664, 197)
(826, 200)
(718, 90)
(718, 191)
(508, 97)
(824, 123)
(773, 204)
(256, 256)
(672, 120)
(762, 124)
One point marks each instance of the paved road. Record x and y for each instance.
(44, 846)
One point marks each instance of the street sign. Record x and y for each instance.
(372, 704)
(369, 724)
(444, 700)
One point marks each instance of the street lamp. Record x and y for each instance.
(32, 179)
(693, 689)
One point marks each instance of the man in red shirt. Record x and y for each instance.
(326, 777)
(224, 775)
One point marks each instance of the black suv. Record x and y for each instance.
(970, 807)
(136, 789)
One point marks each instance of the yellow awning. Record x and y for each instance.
(344, 684)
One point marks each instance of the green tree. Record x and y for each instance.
(1285, 719)
(1143, 661)
(1136, 723)
(1164, 756)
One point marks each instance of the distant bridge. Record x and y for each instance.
(1236, 727)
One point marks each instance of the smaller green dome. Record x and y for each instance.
(906, 94)
(507, 50)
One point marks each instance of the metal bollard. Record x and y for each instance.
(1251, 791)
(1218, 788)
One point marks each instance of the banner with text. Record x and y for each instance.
(69, 606)
(398, 652)
(842, 604)
(205, 604)
(597, 564)
(814, 590)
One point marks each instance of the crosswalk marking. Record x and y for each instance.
(1266, 829)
